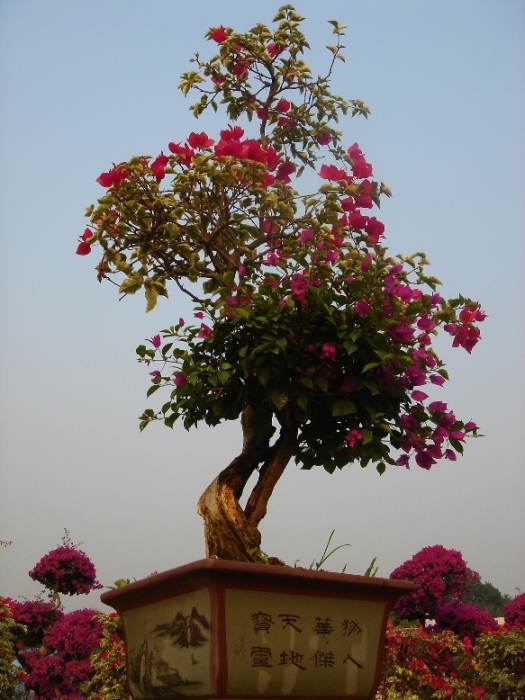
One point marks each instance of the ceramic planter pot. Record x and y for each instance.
(224, 629)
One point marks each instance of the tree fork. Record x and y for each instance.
(230, 532)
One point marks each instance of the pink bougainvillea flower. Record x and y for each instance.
(181, 321)
(402, 332)
(360, 167)
(115, 176)
(364, 199)
(240, 69)
(470, 314)
(362, 307)
(155, 341)
(180, 379)
(232, 133)
(155, 375)
(355, 152)
(282, 106)
(424, 459)
(274, 50)
(332, 172)
(403, 461)
(158, 167)
(83, 247)
(466, 336)
(306, 235)
(348, 385)
(299, 286)
(347, 204)
(353, 437)
(362, 170)
(200, 140)
(267, 180)
(426, 323)
(272, 258)
(328, 352)
(357, 220)
(374, 229)
(332, 255)
(284, 171)
(323, 138)
(186, 154)
(218, 34)
(198, 314)
(437, 379)
(205, 331)
(439, 406)
(229, 147)
(419, 395)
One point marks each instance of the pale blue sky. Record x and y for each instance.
(87, 82)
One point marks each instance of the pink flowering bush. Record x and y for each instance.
(465, 620)
(75, 635)
(36, 616)
(62, 673)
(305, 325)
(514, 612)
(441, 575)
(67, 570)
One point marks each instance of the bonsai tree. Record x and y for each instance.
(441, 575)
(307, 329)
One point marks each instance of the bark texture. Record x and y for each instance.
(230, 531)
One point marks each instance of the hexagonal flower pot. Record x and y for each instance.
(224, 629)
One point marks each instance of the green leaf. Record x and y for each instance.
(370, 365)
(170, 420)
(131, 285)
(302, 401)
(321, 383)
(367, 436)
(343, 407)
(279, 398)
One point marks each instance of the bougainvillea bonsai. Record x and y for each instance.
(66, 569)
(307, 329)
(35, 616)
(465, 620)
(441, 574)
(514, 612)
(60, 675)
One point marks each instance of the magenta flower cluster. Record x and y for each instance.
(514, 612)
(465, 620)
(441, 575)
(37, 616)
(58, 675)
(75, 634)
(66, 570)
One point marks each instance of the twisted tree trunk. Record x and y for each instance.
(231, 532)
